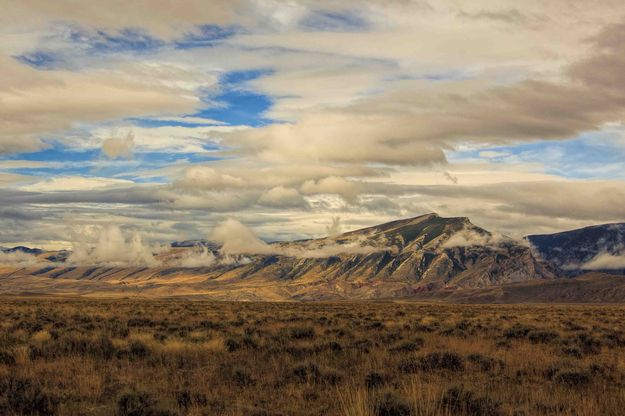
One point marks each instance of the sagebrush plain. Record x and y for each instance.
(72, 356)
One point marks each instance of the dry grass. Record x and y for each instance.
(158, 357)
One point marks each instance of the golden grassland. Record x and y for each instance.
(175, 357)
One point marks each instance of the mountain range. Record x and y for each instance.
(426, 257)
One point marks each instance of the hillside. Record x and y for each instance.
(587, 288)
(396, 259)
(596, 248)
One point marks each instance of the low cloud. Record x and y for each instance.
(111, 246)
(18, 258)
(360, 246)
(605, 261)
(335, 228)
(236, 238)
(472, 238)
(196, 257)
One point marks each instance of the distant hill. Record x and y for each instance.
(22, 249)
(595, 248)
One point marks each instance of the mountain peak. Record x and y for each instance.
(421, 230)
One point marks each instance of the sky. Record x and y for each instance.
(166, 118)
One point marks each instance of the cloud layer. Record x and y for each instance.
(285, 114)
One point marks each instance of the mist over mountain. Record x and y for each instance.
(595, 248)
(403, 258)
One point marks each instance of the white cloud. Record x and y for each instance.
(18, 258)
(347, 189)
(204, 177)
(191, 258)
(74, 183)
(472, 238)
(236, 238)
(111, 246)
(605, 261)
(282, 197)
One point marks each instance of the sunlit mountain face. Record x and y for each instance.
(126, 127)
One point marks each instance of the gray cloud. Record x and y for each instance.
(119, 147)
(360, 110)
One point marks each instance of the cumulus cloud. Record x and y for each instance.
(236, 238)
(119, 147)
(204, 177)
(282, 197)
(348, 190)
(111, 246)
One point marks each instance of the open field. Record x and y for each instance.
(173, 357)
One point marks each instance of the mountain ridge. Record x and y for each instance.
(402, 257)
(572, 252)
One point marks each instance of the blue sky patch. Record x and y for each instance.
(326, 21)
(125, 40)
(590, 156)
(238, 105)
(41, 59)
(206, 36)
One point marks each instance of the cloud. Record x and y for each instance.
(204, 177)
(360, 246)
(281, 197)
(18, 258)
(111, 246)
(411, 122)
(472, 238)
(348, 190)
(191, 258)
(75, 183)
(160, 18)
(119, 147)
(367, 120)
(574, 199)
(32, 109)
(335, 228)
(212, 201)
(604, 261)
(236, 238)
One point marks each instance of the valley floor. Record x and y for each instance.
(71, 356)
